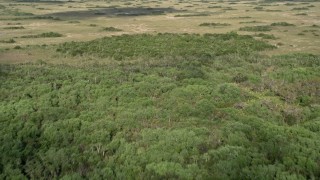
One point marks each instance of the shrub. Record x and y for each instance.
(239, 78)
(111, 29)
(266, 36)
(214, 6)
(166, 45)
(300, 8)
(301, 14)
(14, 27)
(192, 15)
(249, 22)
(8, 41)
(214, 24)
(44, 35)
(282, 24)
(255, 28)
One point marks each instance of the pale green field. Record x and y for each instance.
(83, 21)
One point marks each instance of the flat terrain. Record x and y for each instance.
(83, 21)
(159, 90)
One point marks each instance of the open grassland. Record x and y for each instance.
(159, 90)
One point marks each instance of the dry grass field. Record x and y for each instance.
(86, 20)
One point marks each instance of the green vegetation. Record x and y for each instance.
(256, 28)
(273, 10)
(31, 18)
(44, 35)
(14, 27)
(192, 15)
(229, 8)
(162, 45)
(258, 8)
(8, 41)
(214, 6)
(244, 17)
(265, 36)
(162, 97)
(215, 24)
(300, 8)
(17, 47)
(73, 22)
(301, 14)
(177, 106)
(111, 29)
(282, 24)
(249, 22)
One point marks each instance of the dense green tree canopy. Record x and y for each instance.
(162, 107)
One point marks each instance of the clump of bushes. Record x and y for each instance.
(300, 8)
(258, 8)
(214, 24)
(192, 15)
(166, 45)
(44, 35)
(301, 14)
(266, 36)
(14, 27)
(256, 28)
(282, 24)
(8, 41)
(73, 22)
(244, 17)
(249, 22)
(111, 29)
(229, 8)
(214, 6)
